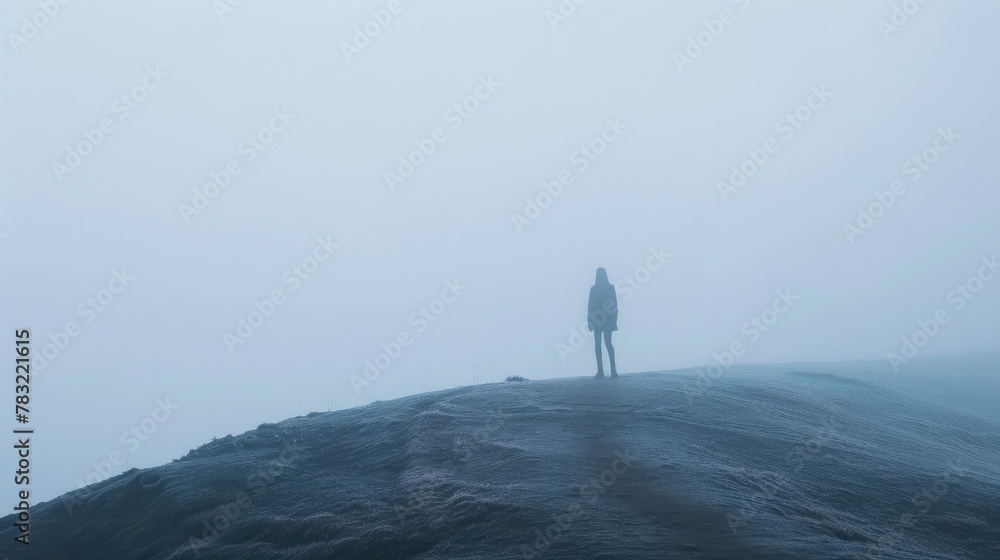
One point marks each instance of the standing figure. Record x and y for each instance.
(602, 317)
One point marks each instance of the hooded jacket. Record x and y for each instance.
(602, 308)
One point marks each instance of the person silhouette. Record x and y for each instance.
(602, 317)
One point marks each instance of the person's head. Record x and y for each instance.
(602, 276)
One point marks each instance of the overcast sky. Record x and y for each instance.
(117, 250)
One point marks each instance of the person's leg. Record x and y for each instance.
(611, 352)
(597, 352)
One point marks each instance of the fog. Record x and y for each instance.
(185, 165)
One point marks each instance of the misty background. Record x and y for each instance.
(221, 74)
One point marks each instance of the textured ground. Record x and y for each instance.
(763, 462)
